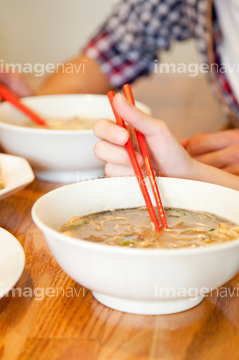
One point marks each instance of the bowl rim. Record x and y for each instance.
(45, 131)
(125, 250)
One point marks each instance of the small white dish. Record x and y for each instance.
(15, 172)
(12, 261)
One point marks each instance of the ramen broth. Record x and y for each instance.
(73, 123)
(133, 228)
(2, 186)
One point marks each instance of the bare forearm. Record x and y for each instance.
(79, 75)
(207, 173)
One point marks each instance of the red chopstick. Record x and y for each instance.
(147, 162)
(136, 167)
(7, 95)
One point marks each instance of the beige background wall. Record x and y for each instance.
(51, 31)
(43, 31)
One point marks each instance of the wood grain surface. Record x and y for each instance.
(61, 319)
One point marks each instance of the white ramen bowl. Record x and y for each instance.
(57, 155)
(141, 281)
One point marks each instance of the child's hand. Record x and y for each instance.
(169, 158)
(220, 149)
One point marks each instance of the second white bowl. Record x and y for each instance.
(57, 155)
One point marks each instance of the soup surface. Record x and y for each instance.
(133, 228)
(1, 183)
(74, 123)
(2, 186)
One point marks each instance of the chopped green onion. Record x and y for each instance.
(126, 243)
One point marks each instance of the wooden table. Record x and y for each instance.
(68, 323)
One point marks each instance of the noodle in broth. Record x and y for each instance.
(74, 123)
(133, 228)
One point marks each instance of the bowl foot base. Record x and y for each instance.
(147, 307)
(68, 176)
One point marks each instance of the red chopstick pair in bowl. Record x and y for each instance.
(9, 96)
(137, 170)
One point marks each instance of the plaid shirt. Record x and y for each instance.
(128, 43)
